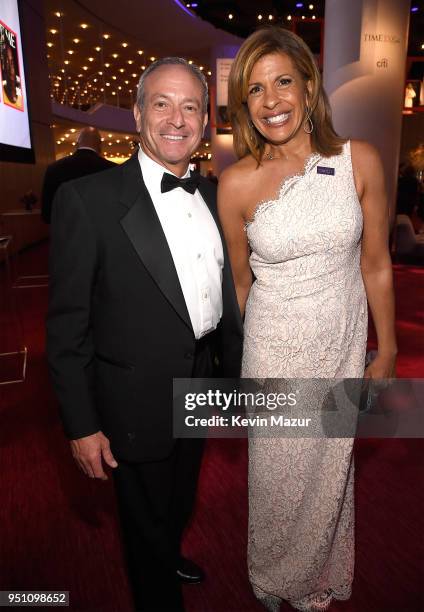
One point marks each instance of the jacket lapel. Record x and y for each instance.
(143, 228)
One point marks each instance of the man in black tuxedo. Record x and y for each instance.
(142, 292)
(85, 160)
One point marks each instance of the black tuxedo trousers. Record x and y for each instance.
(155, 502)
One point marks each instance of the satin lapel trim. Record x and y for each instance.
(143, 228)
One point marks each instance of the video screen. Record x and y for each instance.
(15, 135)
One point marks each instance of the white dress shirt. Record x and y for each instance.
(195, 244)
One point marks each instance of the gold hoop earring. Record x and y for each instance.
(308, 126)
(252, 134)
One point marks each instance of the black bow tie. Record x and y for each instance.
(170, 182)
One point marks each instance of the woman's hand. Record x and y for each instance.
(383, 366)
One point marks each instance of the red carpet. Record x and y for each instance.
(58, 528)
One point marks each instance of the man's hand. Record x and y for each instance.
(88, 453)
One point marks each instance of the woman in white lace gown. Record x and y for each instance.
(306, 212)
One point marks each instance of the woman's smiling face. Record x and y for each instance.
(276, 97)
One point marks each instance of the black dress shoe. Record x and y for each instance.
(189, 573)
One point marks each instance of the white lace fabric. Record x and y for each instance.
(306, 317)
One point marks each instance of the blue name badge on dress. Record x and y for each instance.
(325, 170)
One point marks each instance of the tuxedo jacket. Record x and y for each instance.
(118, 328)
(81, 163)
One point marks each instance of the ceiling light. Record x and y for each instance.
(143, 67)
(84, 26)
(115, 55)
(66, 62)
(140, 52)
(230, 16)
(50, 44)
(76, 40)
(130, 61)
(58, 14)
(100, 72)
(71, 51)
(107, 65)
(311, 7)
(270, 17)
(260, 17)
(201, 68)
(152, 59)
(53, 31)
(124, 44)
(190, 61)
(85, 67)
(289, 17)
(134, 75)
(114, 77)
(313, 17)
(106, 36)
(73, 130)
(209, 73)
(122, 70)
(98, 49)
(91, 59)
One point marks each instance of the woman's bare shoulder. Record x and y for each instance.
(239, 175)
(364, 154)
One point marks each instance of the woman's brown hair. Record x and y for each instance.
(264, 41)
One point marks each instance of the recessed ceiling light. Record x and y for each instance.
(53, 31)
(106, 36)
(140, 52)
(84, 26)
(125, 44)
(76, 40)
(115, 55)
(98, 49)
(50, 44)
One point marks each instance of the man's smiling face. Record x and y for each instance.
(172, 119)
